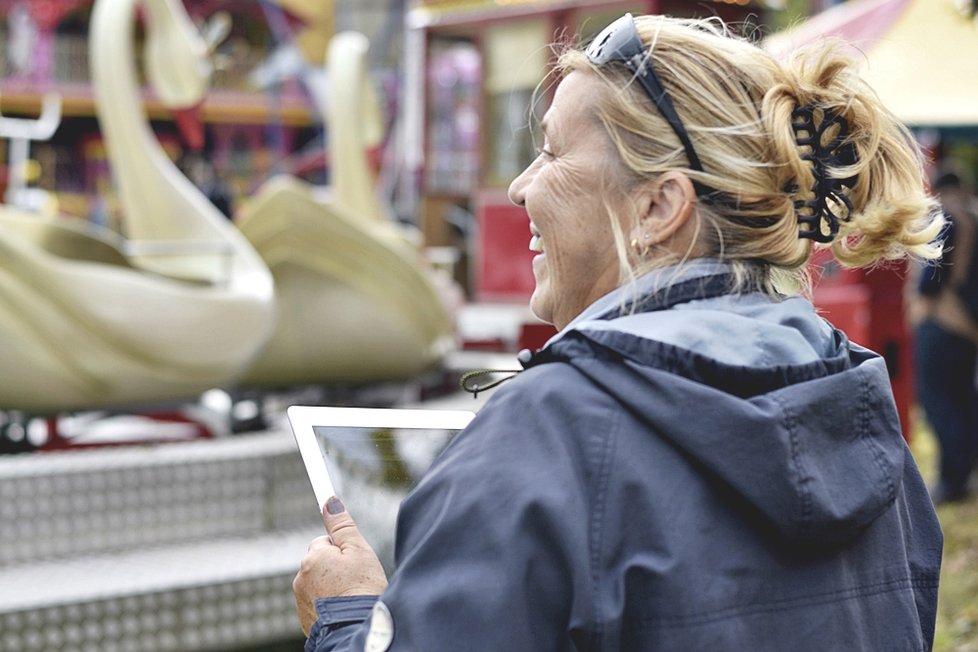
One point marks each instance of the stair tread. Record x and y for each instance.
(272, 442)
(150, 570)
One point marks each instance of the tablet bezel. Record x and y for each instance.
(303, 418)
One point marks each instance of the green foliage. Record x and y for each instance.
(957, 608)
(788, 15)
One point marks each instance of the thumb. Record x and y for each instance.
(340, 525)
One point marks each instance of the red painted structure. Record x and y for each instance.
(868, 306)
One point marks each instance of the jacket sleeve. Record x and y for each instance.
(493, 544)
(334, 626)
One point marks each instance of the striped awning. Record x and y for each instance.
(921, 56)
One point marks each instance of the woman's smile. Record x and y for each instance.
(536, 240)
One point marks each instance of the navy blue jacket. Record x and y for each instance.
(698, 471)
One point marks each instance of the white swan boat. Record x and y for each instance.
(182, 304)
(357, 302)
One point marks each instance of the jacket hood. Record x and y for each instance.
(767, 398)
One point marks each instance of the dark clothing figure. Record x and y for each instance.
(946, 342)
(945, 387)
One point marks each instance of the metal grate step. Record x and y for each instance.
(180, 546)
(72, 503)
(201, 596)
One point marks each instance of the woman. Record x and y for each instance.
(695, 461)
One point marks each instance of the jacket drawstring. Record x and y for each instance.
(469, 378)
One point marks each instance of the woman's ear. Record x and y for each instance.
(666, 204)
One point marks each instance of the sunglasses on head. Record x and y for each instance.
(620, 42)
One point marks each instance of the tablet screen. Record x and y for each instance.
(371, 458)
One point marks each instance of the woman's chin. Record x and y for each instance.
(540, 306)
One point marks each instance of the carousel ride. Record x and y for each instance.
(357, 301)
(310, 286)
(181, 304)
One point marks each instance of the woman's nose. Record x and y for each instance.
(517, 189)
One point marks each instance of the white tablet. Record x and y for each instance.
(345, 449)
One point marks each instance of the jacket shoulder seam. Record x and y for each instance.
(789, 421)
(878, 454)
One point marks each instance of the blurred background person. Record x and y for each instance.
(944, 315)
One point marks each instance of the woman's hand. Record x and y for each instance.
(339, 564)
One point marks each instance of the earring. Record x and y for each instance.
(640, 250)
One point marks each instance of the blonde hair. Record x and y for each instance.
(736, 102)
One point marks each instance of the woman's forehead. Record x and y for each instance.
(573, 88)
(573, 103)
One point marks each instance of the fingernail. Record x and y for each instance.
(335, 506)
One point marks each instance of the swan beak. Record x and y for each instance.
(190, 123)
(215, 30)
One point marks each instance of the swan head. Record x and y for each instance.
(178, 57)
